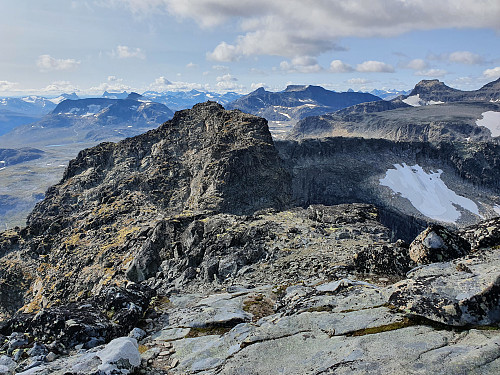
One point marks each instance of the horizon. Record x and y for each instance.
(88, 47)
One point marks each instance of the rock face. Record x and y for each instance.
(437, 244)
(435, 90)
(465, 291)
(103, 222)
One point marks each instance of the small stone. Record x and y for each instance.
(164, 353)
(137, 334)
(51, 357)
(174, 363)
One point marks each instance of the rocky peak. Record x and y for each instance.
(205, 158)
(431, 87)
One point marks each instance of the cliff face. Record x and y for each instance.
(342, 170)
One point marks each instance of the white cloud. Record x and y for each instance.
(47, 63)
(227, 82)
(301, 64)
(417, 64)
(338, 66)
(125, 52)
(113, 84)
(465, 57)
(191, 65)
(60, 87)
(358, 81)
(435, 73)
(493, 73)
(8, 86)
(222, 68)
(374, 67)
(255, 86)
(163, 84)
(224, 52)
(295, 27)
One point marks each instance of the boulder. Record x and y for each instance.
(438, 244)
(461, 292)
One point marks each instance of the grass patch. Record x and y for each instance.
(259, 306)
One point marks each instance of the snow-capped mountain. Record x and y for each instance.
(177, 100)
(389, 94)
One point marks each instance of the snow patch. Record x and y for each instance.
(497, 209)
(427, 192)
(490, 120)
(413, 100)
(285, 114)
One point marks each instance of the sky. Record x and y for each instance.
(48, 47)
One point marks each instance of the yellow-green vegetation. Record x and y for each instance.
(120, 237)
(159, 304)
(142, 348)
(406, 322)
(207, 331)
(258, 305)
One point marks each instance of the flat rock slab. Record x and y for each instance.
(465, 291)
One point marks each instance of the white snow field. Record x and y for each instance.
(427, 192)
(490, 120)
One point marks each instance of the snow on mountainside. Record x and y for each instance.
(490, 120)
(427, 192)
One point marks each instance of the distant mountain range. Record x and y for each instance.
(431, 112)
(177, 100)
(297, 102)
(389, 94)
(91, 120)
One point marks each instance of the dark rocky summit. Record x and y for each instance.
(203, 247)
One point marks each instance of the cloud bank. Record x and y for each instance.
(291, 28)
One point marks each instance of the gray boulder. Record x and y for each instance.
(437, 244)
(461, 292)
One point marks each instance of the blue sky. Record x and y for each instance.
(54, 46)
